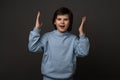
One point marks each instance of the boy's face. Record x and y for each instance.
(62, 23)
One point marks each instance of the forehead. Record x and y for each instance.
(63, 16)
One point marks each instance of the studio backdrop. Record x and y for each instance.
(17, 19)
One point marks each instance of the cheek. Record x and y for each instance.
(56, 22)
(68, 23)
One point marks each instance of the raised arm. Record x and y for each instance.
(36, 42)
(82, 43)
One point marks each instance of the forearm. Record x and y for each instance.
(34, 41)
(82, 46)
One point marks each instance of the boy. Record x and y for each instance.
(60, 48)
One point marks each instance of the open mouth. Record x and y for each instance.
(62, 26)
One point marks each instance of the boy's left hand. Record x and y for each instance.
(82, 25)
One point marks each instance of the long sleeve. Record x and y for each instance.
(81, 46)
(36, 42)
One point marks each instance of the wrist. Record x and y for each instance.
(81, 33)
(37, 27)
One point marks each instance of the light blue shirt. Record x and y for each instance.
(59, 51)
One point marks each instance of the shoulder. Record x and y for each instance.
(72, 35)
(47, 34)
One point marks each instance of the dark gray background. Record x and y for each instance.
(17, 18)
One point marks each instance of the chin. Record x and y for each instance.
(62, 30)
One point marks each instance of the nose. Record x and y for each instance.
(62, 21)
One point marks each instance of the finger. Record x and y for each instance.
(84, 18)
(38, 15)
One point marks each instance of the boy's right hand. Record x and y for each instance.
(38, 23)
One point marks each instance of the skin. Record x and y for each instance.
(62, 23)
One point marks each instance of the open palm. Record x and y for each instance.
(82, 25)
(38, 23)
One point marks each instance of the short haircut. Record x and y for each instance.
(63, 11)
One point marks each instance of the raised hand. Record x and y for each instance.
(38, 23)
(82, 25)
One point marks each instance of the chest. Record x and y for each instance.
(60, 42)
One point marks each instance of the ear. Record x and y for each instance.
(54, 23)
